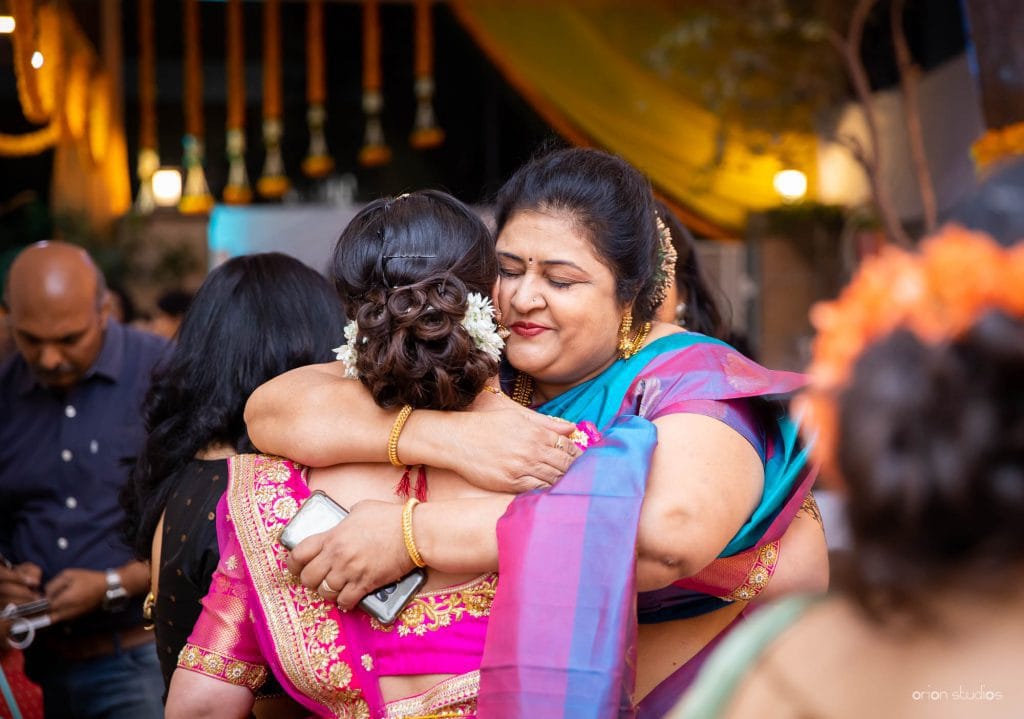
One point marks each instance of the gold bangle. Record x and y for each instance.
(396, 430)
(410, 541)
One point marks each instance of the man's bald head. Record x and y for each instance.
(56, 299)
(54, 269)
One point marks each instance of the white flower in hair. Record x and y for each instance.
(479, 323)
(347, 352)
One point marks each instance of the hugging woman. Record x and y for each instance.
(689, 498)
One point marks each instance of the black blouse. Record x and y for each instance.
(188, 555)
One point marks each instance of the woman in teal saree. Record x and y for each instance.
(686, 499)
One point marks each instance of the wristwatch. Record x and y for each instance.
(116, 597)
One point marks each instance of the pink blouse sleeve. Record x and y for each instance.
(223, 643)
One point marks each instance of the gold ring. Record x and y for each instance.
(559, 443)
(326, 588)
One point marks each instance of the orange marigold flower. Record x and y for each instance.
(938, 293)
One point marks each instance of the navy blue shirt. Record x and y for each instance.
(61, 459)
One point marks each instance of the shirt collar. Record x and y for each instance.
(111, 359)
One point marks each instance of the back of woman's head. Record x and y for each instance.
(702, 312)
(254, 317)
(931, 447)
(405, 268)
(609, 200)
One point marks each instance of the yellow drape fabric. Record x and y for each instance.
(90, 170)
(582, 67)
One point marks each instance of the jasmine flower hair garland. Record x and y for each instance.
(478, 322)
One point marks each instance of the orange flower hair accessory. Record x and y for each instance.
(937, 293)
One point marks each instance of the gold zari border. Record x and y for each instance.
(300, 621)
(453, 697)
(222, 667)
(759, 574)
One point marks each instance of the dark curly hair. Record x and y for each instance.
(609, 200)
(254, 317)
(404, 267)
(931, 446)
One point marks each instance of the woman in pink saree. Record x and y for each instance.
(418, 270)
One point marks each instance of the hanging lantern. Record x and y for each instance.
(374, 151)
(237, 190)
(425, 133)
(318, 162)
(195, 197)
(273, 183)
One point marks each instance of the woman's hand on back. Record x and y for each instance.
(498, 445)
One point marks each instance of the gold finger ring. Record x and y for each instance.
(326, 588)
(560, 444)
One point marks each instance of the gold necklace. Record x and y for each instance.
(522, 391)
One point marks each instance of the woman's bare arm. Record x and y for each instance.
(705, 482)
(803, 558)
(197, 696)
(318, 418)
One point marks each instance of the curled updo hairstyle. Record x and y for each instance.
(609, 200)
(931, 446)
(403, 268)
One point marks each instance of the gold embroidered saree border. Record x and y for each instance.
(222, 667)
(452, 697)
(760, 573)
(304, 634)
(440, 608)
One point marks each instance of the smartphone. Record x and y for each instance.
(320, 513)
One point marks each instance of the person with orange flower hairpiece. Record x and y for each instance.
(916, 396)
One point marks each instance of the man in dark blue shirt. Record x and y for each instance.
(72, 398)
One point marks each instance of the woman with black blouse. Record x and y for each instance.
(255, 317)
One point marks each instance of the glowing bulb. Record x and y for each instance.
(6, 24)
(790, 184)
(166, 187)
(37, 59)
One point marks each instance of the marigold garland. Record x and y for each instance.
(318, 161)
(148, 161)
(997, 145)
(374, 151)
(195, 197)
(937, 293)
(273, 182)
(237, 191)
(425, 133)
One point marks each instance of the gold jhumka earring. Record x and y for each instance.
(503, 331)
(629, 346)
